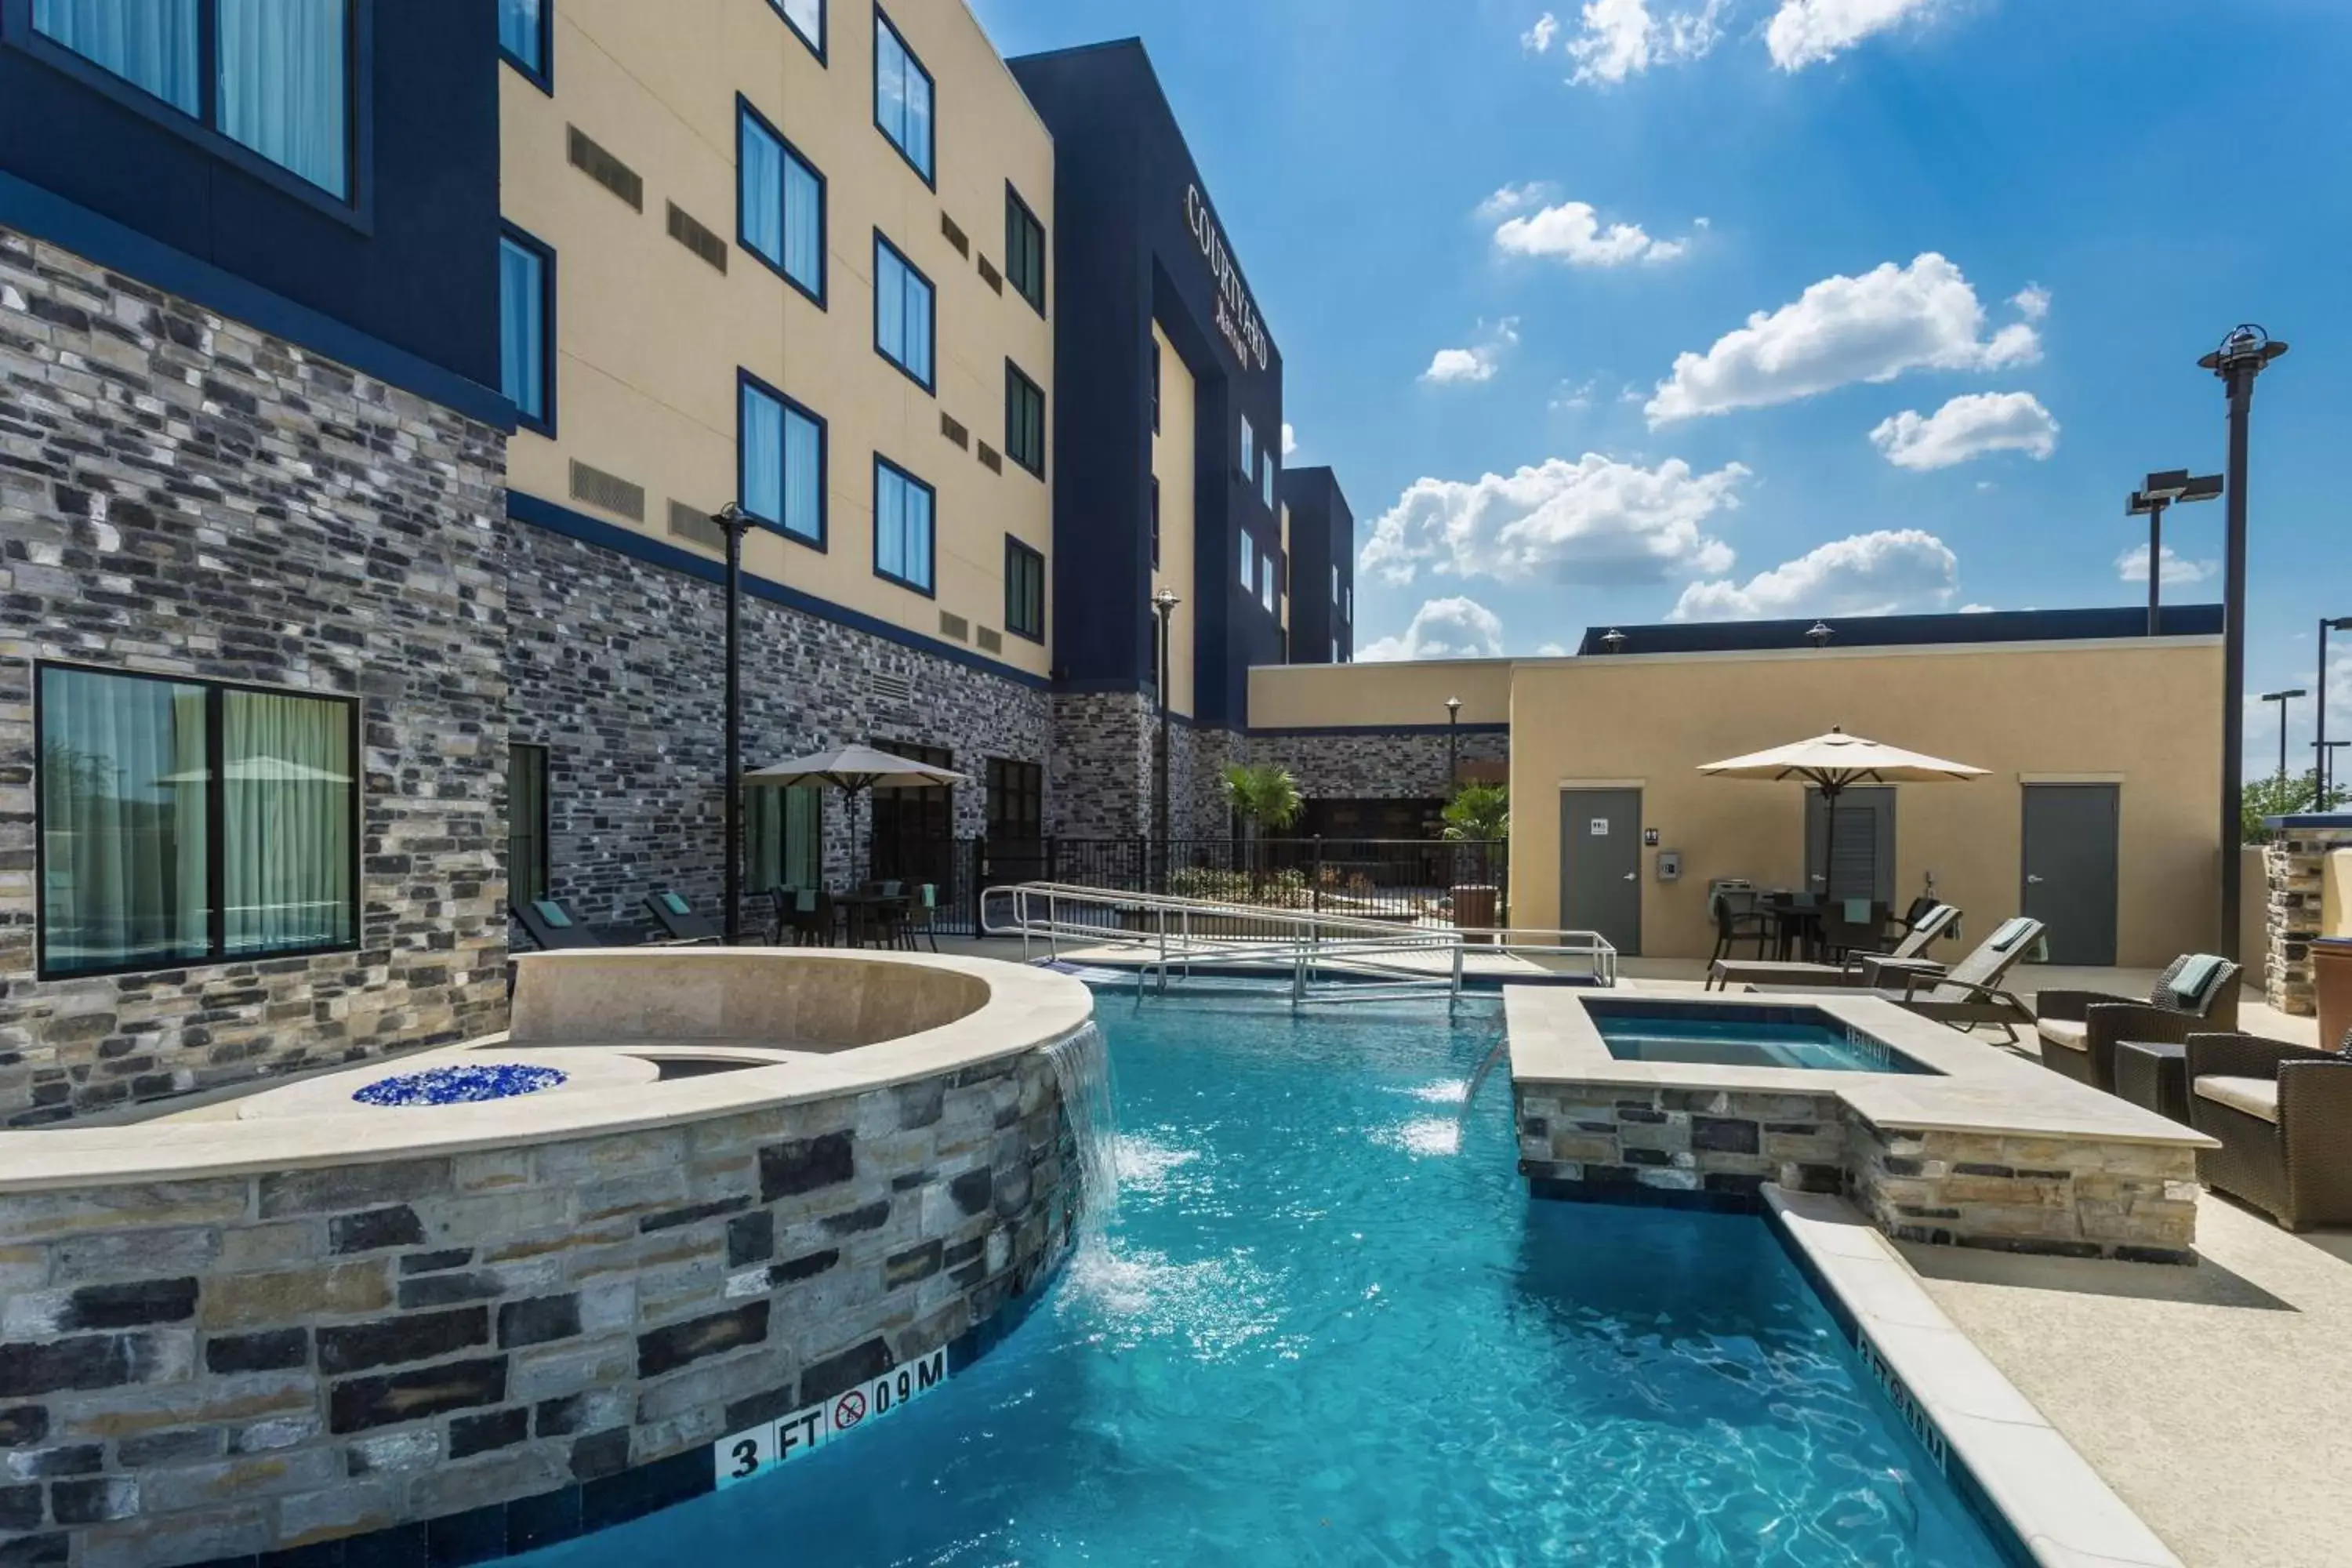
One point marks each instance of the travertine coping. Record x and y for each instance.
(2066, 1516)
(1018, 1008)
(1975, 1088)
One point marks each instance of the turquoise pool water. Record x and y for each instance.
(1328, 1327)
(1758, 1036)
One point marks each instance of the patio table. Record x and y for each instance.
(2154, 1076)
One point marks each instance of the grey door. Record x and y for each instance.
(1861, 864)
(2070, 869)
(1600, 865)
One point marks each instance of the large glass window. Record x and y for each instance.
(1266, 483)
(1025, 420)
(526, 271)
(902, 312)
(1266, 582)
(902, 95)
(1025, 591)
(902, 526)
(280, 83)
(782, 456)
(523, 36)
(1024, 251)
(1249, 563)
(183, 821)
(807, 18)
(784, 836)
(780, 215)
(1016, 801)
(527, 860)
(1249, 448)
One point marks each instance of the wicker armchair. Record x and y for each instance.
(2079, 1029)
(2283, 1115)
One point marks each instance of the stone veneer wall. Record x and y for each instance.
(619, 668)
(2071, 1199)
(1361, 765)
(2292, 863)
(1104, 781)
(518, 1344)
(181, 494)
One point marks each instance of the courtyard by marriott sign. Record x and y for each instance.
(1236, 315)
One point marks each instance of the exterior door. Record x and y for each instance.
(1861, 864)
(1600, 865)
(2070, 869)
(911, 837)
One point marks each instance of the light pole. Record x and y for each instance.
(733, 521)
(2242, 356)
(1163, 604)
(2282, 699)
(2324, 772)
(2322, 758)
(1819, 634)
(1452, 744)
(2160, 491)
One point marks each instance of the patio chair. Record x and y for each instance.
(921, 913)
(1969, 993)
(1859, 969)
(1850, 926)
(805, 913)
(2079, 1029)
(551, 925)
(1737, 919)
(679, 920)
(2283, 1115)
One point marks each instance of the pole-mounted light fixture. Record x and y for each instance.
(2171, 488)
(1819, 635)
(733, 521)
(1163, 605)
(1452, 742)
(1613, 640)
(2324, 758)
(2282, 699)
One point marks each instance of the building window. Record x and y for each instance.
(186, 821)
(780, 203)
(1249, 448)
(902, 526)
(525, 329)
(1335, 650)
(1024, 250)
(1334, 585)
(1267, 482)
(902, 312)
(1348, 613)
(1025, 591)
(782, 458)
(280, 83)
(1155, 522)
(783, 836)
(1266, 582)
(1249, 563)
(527, 863)
(526, 38)
(902, 95)
(1155, 386)
(807, 19)
(1025, 420)
(1016, 801)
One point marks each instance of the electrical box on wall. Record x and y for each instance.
(1670, 865)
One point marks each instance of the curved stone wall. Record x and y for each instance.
(536, 1321)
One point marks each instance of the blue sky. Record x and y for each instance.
(1512, 265)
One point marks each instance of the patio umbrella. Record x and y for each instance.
(1834, 762)
(852, 770)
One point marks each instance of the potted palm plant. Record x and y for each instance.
(1479, 813)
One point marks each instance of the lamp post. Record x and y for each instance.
(2282, 699)
(2149, 501)
(1452, 743)
(1163, 604)
(2322, 758)
(733, 521)
(1819, 634)
(2241, 356)
(2323, 770)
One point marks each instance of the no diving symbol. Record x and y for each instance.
(849, 1410)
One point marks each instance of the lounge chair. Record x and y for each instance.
(551, 925)
(1857, 970)
(1969, 993)
(2284, 1115)
(679, 920)
(2079, 1029)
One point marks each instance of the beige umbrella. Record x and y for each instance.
(1834, 761)
(852, 770)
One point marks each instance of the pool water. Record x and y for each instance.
(1788, 1042)
(1328, 1326)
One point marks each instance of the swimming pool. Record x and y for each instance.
(1328, 1327)
(1715, 1034)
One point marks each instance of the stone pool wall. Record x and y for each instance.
(465, 1356)
(2074, 1198)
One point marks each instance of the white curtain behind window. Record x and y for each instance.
(764, 455)
(803, 226)
(522, 328)
(760, 161)
(286, 835)
(519, 31)
(284, 69)
(804, 476)
(150, 43)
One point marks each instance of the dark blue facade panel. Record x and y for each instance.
(1907, 631)
(1323, 561)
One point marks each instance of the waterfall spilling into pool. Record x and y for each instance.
(1081, 1064)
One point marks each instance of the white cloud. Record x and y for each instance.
(1551, 650)
(1807, 32)
(1518, 198)
(1621, 39)
(1841, 329)
(2178, 570)
(1537, 38)
(1968, 427)
(1571, 232)
(1451, 367)
(1442, 629)
(1976, 609)
(1593, 521)
(2032, 302)
(1290, 438)
(1573, 396)
(1869, 574)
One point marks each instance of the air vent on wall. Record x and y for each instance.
(990, 460)
(991, 276)
(693, 523)
(690, 234)
(955, 236)
(991, 642)
(599, 489)
(893, 688)
(607, 170)
(954, 625)
(953, 431)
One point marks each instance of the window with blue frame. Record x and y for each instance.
(807, 19)
(1025, 591)
(782, 456)
(902, 312)
(780, 198)
(525, 37)
(280, 83)
(902, 95)
(902, 526)
(526, 336)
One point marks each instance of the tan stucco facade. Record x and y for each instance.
(650, 336)
(1171, 470)
(1378, 695)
